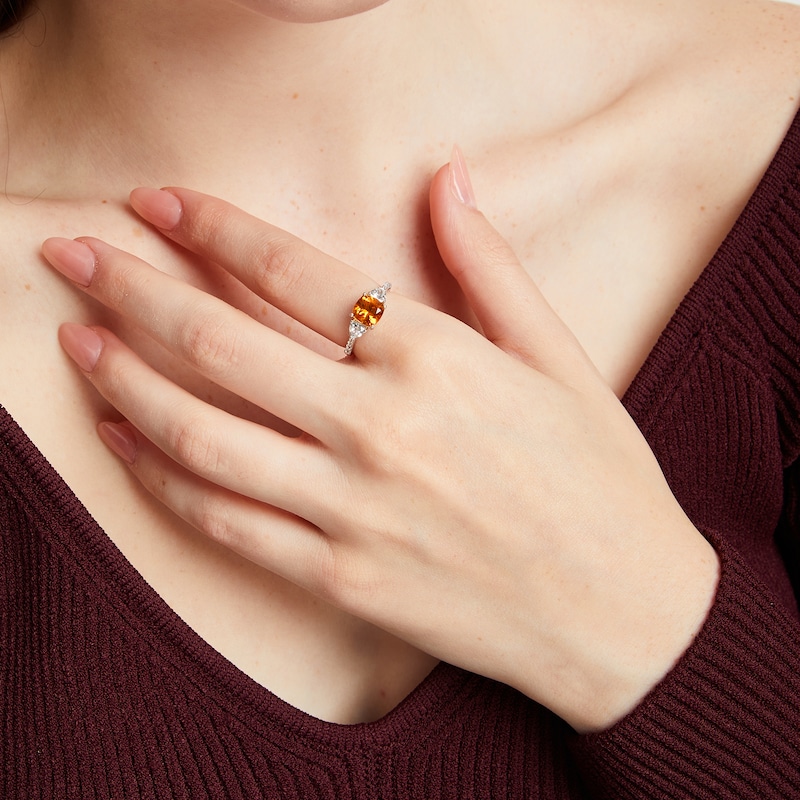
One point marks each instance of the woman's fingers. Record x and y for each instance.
(314, 288)
(237, 454)
(508, 304)
(219, 341)
(268, 536)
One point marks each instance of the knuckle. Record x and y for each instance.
(115, 376)
(381, 447)
(194, 443)
(212, 516)
(486, 244)
(281, 265)
(325, 579)
(208, 223)
(340, 582)
(385, 440)
(115, 283)
(210, 345)
(493, 249)
(429, 350)
(118, 281)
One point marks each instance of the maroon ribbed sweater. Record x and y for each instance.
(105, 693)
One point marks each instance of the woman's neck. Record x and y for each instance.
(196, 92)
(101, 96)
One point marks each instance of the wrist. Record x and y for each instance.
(640, 636)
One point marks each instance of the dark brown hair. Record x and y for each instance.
(12, 12)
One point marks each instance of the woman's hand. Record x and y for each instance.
(485, 497)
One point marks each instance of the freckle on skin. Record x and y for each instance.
(137, 232)
(295, 96)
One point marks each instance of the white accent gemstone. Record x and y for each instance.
(380, 292)
(356, 329)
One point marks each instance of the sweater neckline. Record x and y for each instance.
(67, 525)
(436, 700)
(692, 315)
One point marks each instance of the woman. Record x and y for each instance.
(445, 495)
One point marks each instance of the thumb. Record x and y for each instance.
(509, 306)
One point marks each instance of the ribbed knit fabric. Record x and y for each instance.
(106, 693)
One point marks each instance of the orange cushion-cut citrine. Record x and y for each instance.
(368, 310)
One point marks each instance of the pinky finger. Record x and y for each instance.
(270, 537)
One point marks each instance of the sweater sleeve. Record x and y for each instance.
(725, 722)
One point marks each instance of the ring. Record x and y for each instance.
(366, 313)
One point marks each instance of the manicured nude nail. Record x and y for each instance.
(158, 206)
(119, 439)
(460, 184)
(74, 260)
(81, 344)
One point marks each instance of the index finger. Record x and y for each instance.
(311, 286)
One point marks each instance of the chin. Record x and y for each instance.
(309, 10)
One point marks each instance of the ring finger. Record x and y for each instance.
(312, 287)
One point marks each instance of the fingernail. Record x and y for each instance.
(81, 344)
(74, 260)
(460, 184)
(119, 439)
(158, 206)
